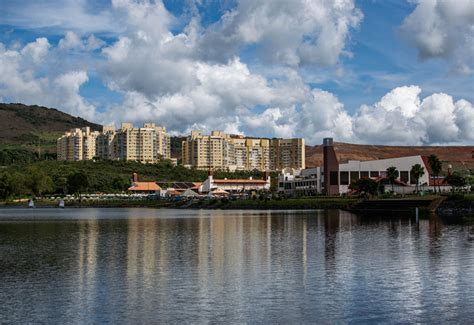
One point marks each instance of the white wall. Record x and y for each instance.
(402, 164)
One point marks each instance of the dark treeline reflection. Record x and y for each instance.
(215, 266)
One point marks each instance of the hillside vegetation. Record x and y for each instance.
(28, 133)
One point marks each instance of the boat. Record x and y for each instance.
(61, 204)
(31, 204)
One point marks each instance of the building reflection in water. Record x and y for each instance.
(210, 257)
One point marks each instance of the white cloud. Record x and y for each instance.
(443, 28)
(36, 50)
(436, 119)
(19, 81)
(70, 41)
(195, 79)
(59, 15)
(294, 32)
(94, 43)
(322, 115)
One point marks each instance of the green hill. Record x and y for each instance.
(35, 128)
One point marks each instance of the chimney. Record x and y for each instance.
(331, 167)
(135, 177)
(450, 169)
(250, 178)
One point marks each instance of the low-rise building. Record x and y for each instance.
(334, 178)
(300, 182)
(234, 185)
(138, 187)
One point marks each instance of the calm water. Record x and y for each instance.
(158, 266)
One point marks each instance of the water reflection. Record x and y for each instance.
(214, 266)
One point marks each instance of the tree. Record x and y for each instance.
(61, 183)
(10, 185)
(417, 171)
(392, 175)
(120, 184)
(78, 182)
(456, 181)
(365, 186)
(436, 166)
(38, 182)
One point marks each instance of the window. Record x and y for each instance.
(344, 178)
(364, 174)
(333, 178)
(374, 174)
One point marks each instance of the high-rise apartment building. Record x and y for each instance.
(105, 143)
(228, 152)
(148, 144)
(77, 144)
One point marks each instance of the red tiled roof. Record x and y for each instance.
(144, 186)
(427, 164)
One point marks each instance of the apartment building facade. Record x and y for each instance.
(221, 151)
(148, 144)
(77, 144)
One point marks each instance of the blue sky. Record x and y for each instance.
(267, 68)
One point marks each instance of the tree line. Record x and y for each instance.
(102, 176)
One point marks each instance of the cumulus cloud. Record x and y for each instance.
(36, 50)
(323, 115)
(182, 80)
(196, 79)
(20, 82)
(72, 41)
(402, 117)
(288, 32)
(443, 28)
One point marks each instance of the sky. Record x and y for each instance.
(362, 71)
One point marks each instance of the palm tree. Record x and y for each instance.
(392, 175)
(417, 171)
(435, 165)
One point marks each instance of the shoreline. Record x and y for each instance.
(458, 206)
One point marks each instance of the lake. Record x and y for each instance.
(195, 266)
